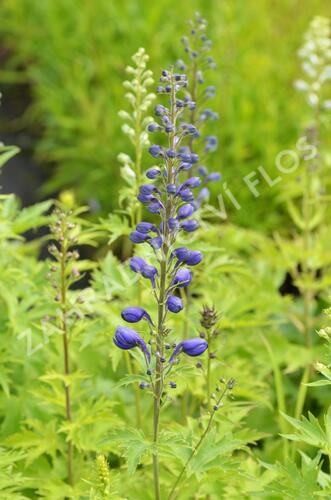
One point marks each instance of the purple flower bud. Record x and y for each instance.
(147, 189)
(171, 188)
(183, 277)
(153, 127)
(210, 91)
(185, 211)
(171, 153)
(186, 195)
(136, 264)
(173, 224)
(181, 253)
(126, 338)
(137, 237)
(211, 144)
(192, 182)
(135, 314)
(185, 156)
(156, 242)
(214, 176)
(149, 272)
(191, 347)
(194, 158)
(155, 207)
(145, 198)
(203, 194)
(202, 171)
(194, 258)
(185, 166)
(156, 151)
(190, 225)
(152, 173)
(146, 227)
(174, 304)
(160, 110)
(173, 385)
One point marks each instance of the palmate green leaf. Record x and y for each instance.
(134, 445)
(213, 451)
(11, 481)
(32, 217)
(92, 420)
(293, 482)
(309, 431)
(116, 226)
(35, 439)
(68, 380)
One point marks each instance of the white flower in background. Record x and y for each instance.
(316, 63)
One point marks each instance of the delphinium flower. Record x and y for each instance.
(209, 321)
(136, 121)
(305, 194)
(315, 55)
(198, 62)
(165, 196)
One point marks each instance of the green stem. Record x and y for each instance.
(130, 369)
(208, 370)
(66, 358)
(197, 446)
(186, 300)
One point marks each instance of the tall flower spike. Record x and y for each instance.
(198, 62)
(134, 127)
(169, 197)
(315, 55)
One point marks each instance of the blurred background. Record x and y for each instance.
(62, 67)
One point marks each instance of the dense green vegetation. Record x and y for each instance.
(251, 416)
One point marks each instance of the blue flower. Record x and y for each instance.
(183, 277)
(155, 206)
(191, 347)
(156, 242)
(186, 195)
(145, 198)
(135, 314)
(173, 224)
(174, 304)
(146, 227)
(126, 338)
(153, 173)
(211, 144)
(181, 253)
(185, 211)
(137, 237)
(148, 189)
(190, 225)
(153, 127)
(149, 272)
(156, 151)
(137, 263)
(194, 258)
(203, 194)
(192, 182)
(214, 176)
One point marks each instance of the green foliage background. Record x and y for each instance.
(73, 55)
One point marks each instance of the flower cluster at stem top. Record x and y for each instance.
(168, 194)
